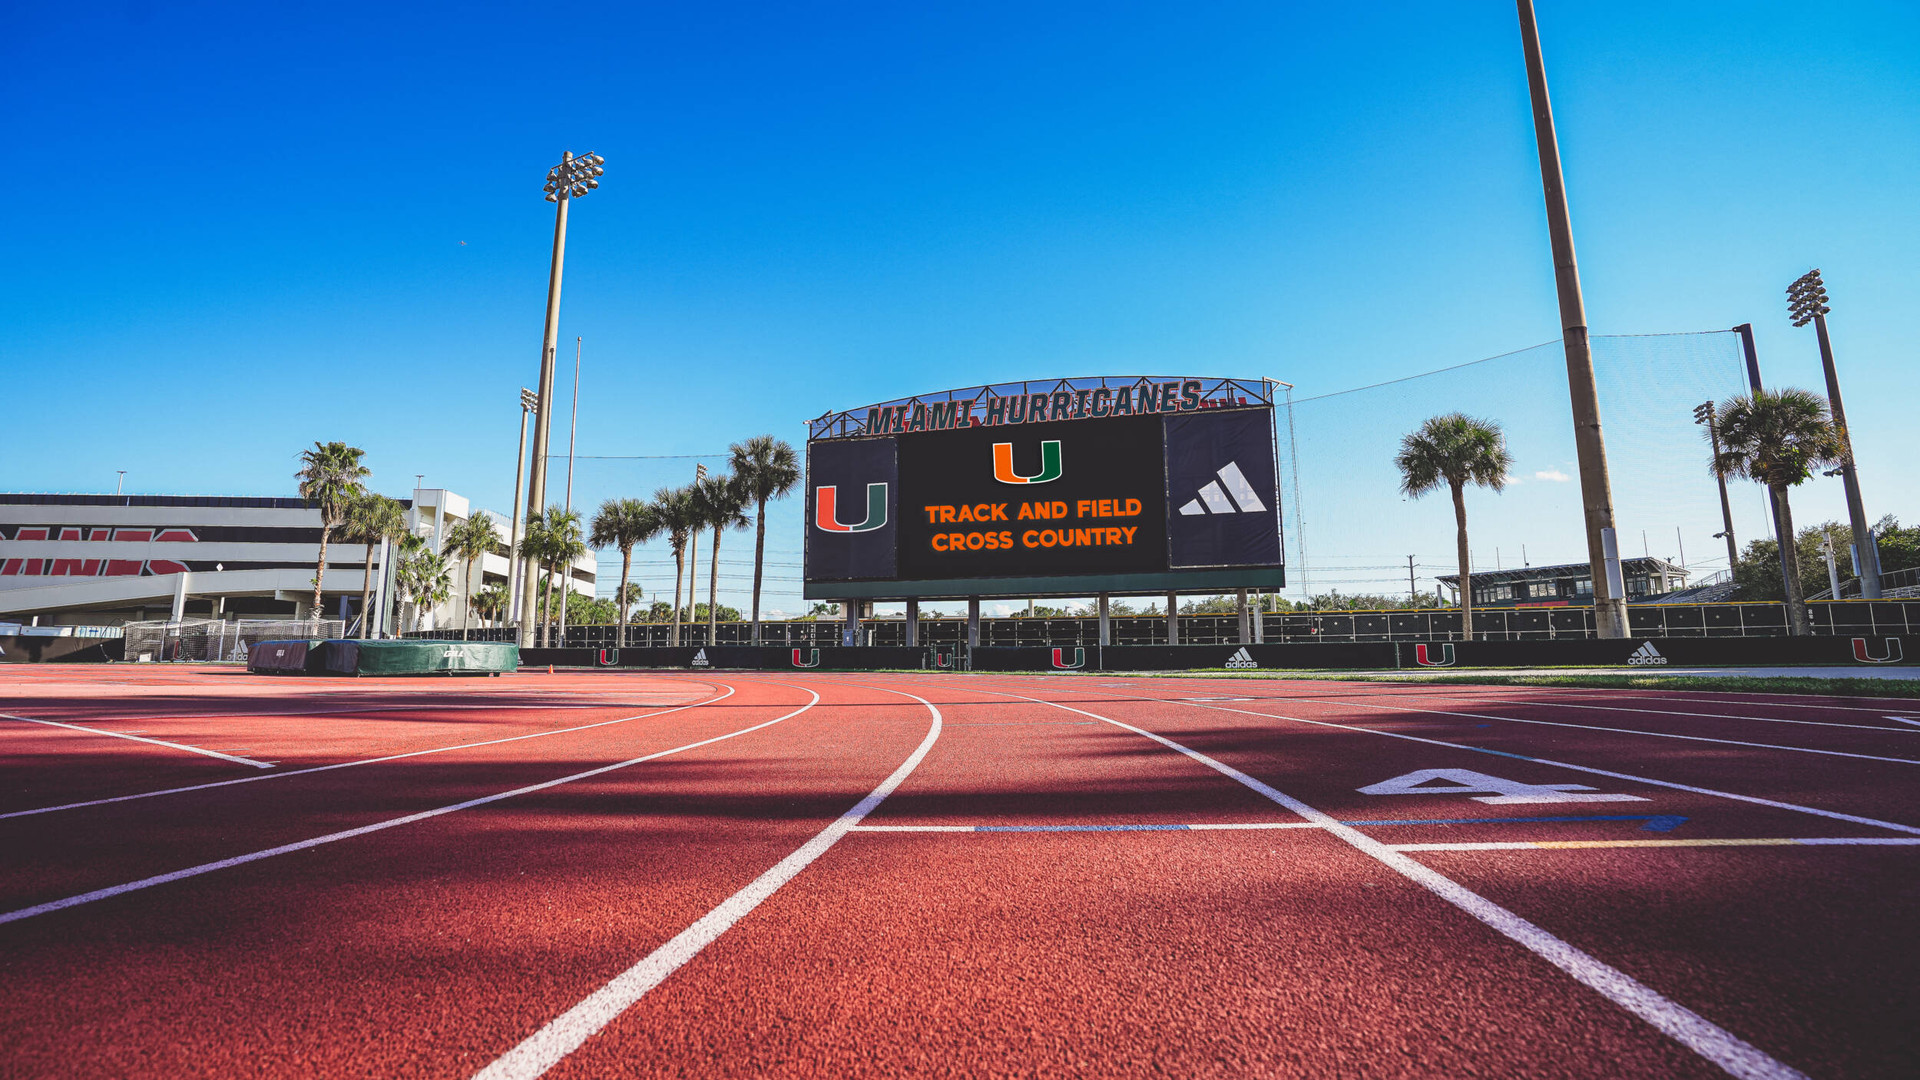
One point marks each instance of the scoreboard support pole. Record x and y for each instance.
(1106, 624)
(973, 622)
(1246, 619)
(1173, 619)
(913, 623)
(850, 633)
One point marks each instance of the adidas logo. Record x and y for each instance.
(1646, 655)
(1240, 659)
(700, 658)
(1214, 495)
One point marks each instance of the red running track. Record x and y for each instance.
(609, 874)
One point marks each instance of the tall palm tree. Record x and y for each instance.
(722, 502)
(1455, 450)
(469, 540)
(406, 550)
(562, 543)
(371, 519)
(768, 468)
(623, 523)
(1778, 437)
(678, 519)
(329, 476)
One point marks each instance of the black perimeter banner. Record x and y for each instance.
(1103, 499)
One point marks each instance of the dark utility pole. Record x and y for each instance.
(1596, 490)
(1703, 414)
(1787, 584)
(1413, 593)
(1807, 299)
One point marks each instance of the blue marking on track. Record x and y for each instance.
(1654, 822)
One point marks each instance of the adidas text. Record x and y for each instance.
(1240, 659)
(1646, 656)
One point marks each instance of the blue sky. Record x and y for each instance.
(235, 229)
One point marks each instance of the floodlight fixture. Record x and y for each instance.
(1703, 413)
(574, 176)
(1807, 298)
(529, 400)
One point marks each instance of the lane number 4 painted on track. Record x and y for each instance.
(1492, 790)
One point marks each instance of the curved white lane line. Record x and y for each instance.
(1672, 785)
(141, 738)
(563, 1035)
(378, 826)
(1711, 1041)
(362, 761)
(1483, 700)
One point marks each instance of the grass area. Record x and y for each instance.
(1721, 684)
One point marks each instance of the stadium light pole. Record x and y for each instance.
(1596, 489)
(529, 403)
(569, 180)
(1703, 413)
(1807, 302)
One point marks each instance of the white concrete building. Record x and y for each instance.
(110, 559)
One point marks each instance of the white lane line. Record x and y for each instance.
(565, 1033)
(1754, 799)
(1579, 727)
(346, 834)
(352, 764)
(142, 738)
(1905, 720)
(1711, 1041)
(1669, 712)
(1702, 842)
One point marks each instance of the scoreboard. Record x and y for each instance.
(1069, 487)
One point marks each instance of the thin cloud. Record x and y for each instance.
(1554, 475)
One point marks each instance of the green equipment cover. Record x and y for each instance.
(421, 657)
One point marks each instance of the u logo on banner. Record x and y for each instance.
(1079, 659)
(609, 657)
(1424, 657)
(942, 661)
(1050, 468)
(812, 661)
(826, 510)
(1862, 654)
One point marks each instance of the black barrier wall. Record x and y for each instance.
(745, 658)
(1628, 655)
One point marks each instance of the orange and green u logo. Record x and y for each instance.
(1049, 464)
(826, 510)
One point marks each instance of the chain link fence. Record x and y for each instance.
(217, 640)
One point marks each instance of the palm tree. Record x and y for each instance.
(371, 519)
(768, 468)
(723, 502)
(489, 602)
(427, 578)
(1778, 437)
(469, 540)
(329, 476)
(623, 523)
(1455, 450)
(561, 543)
(678, 516)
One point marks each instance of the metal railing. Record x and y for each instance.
(1873, 618)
